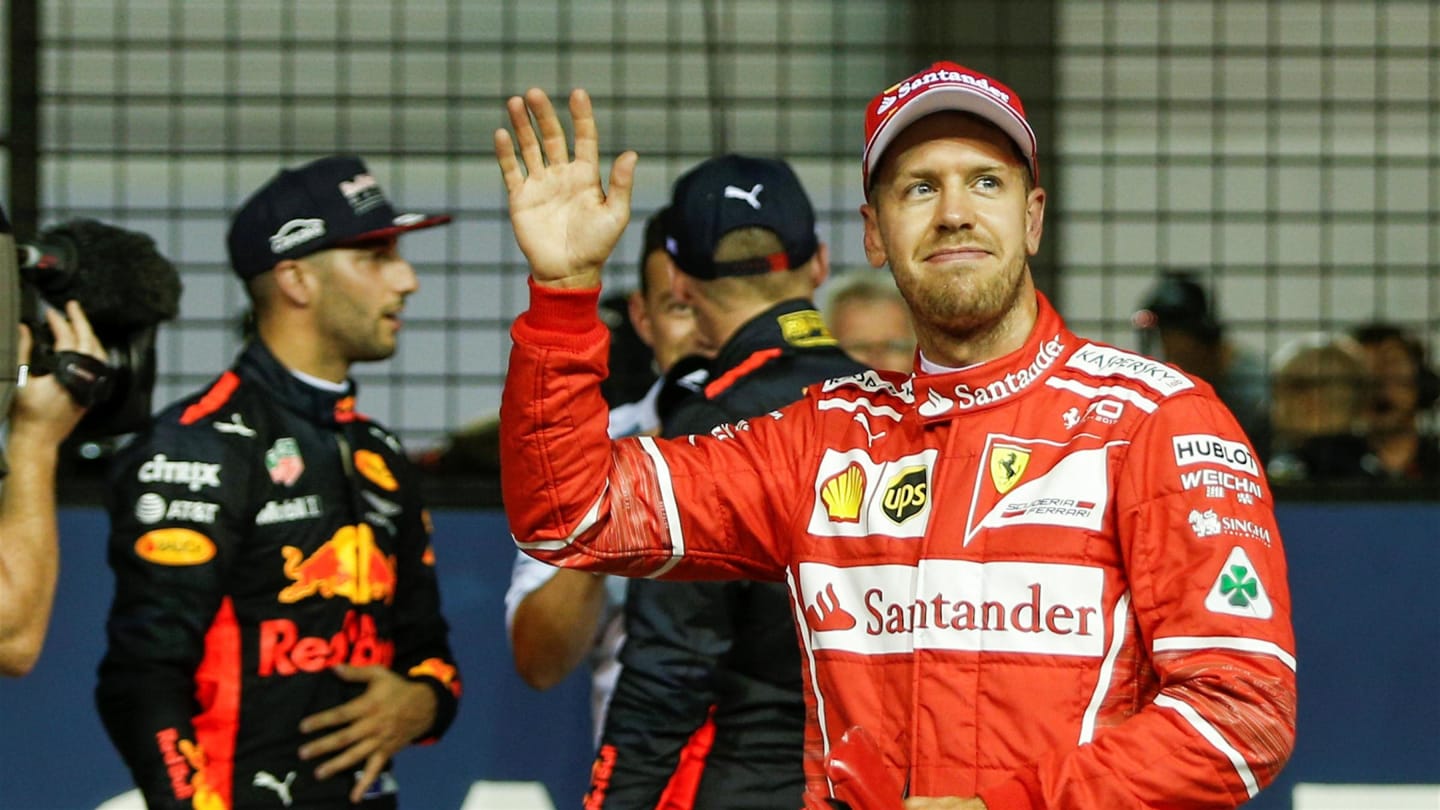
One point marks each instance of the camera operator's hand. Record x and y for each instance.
(42, 414)
(43, 411)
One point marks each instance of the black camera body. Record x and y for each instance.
(126, 289)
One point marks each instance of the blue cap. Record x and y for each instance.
(328, 203)
(726, 193)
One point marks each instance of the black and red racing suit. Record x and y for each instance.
(725, 650)
(261, 531)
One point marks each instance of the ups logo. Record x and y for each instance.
(906, 494)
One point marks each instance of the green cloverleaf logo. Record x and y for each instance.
(1239, 586)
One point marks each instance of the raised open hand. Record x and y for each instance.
(565, 222)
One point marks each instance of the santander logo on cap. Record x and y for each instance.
(945, 86)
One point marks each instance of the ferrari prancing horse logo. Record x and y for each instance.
(1007, 466)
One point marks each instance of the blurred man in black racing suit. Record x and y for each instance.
(276, 621)
(742, 235)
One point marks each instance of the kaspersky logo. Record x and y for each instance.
(349, 565)
(1238, 590)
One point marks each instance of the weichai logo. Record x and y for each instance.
(284, 652)
(1040, 608)
(906, 494)
(348, 565)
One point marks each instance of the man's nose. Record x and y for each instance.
(403, 277)
(956, 210)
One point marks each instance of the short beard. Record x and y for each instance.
(963, 314)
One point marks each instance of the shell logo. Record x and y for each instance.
(844, 493)
(175, 547)
(373, 467)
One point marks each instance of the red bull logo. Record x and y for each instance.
(372, 465)
(185, 763)
(441, 671)
(600, 772)
(284, 652)
(349, 565)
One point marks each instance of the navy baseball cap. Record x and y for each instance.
(1179, 302)
(328, 203)
(726, 193)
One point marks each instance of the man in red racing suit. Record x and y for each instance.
(1051, 578)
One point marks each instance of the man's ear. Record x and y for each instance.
(294, 281)
(874, 246)
(640, 318)
(820, 265)
(1034, 219)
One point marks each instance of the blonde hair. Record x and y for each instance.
(1317, 387)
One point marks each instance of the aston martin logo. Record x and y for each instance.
(1007, 466)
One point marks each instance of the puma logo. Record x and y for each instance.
(264, 779)
(236, 425)
(752, 196)
(865, 426)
